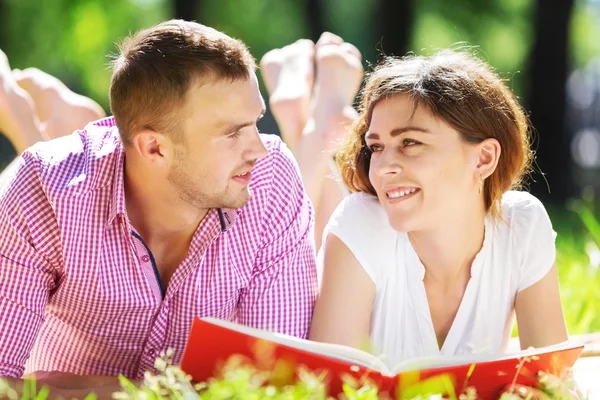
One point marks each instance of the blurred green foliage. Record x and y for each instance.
(578, 260)
(241, 379)
(72, 38)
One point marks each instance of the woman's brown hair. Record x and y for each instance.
(461, 90)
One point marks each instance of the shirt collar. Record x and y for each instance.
(227, 217)
(117, 204)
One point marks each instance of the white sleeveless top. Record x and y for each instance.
(516, 253)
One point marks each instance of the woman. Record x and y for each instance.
(435, 254)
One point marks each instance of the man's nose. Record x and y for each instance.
(257, 149)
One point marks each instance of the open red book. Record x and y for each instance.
(212, 341)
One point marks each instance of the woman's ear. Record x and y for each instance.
(488, 156)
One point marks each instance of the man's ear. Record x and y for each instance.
(152, 146)
(488, 156)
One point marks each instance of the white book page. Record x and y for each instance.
(336, 351)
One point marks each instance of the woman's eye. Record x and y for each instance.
(374, 148)
(409, 142)
(235, 135)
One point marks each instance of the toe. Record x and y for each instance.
(305, 43)
(270, 57)
(351, 49)
(329, 38)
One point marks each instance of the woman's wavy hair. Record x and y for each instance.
(463, 91)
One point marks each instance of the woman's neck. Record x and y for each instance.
(448, 250)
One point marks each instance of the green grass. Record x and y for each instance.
(240, 379)
(578, 260)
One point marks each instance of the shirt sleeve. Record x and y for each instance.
(28, 249)
(535, 238)
(281, 294)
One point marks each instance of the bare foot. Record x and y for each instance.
(61, 111)
(289, 74)
(18, 118)
(339, 75)
(339, 69)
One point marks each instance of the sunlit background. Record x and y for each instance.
(548, 50)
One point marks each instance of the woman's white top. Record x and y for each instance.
(516, 253)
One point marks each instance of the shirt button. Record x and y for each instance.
(145, 258)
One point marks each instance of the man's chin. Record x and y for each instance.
(239, 201)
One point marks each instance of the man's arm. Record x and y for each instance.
(283, 290)
(64, 385)
(30, 263)
(29, 251)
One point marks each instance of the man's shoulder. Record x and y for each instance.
(271, 141)
(279, 166)
(79, 162)
(276, 185)
(279, 153)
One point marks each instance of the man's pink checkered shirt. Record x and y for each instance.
(78, 288)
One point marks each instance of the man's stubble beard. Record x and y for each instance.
(187, 190)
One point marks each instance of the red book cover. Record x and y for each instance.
(211, 342)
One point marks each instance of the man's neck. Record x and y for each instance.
(158, 214)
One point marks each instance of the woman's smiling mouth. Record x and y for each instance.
(401, 193)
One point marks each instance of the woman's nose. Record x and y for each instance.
(387, 163)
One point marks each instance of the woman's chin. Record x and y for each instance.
(402, 223)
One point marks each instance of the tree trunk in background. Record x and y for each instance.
(186, 9)
(314, 14)
(396, 23)
(7, 151)
(3, 33)
(547, 99)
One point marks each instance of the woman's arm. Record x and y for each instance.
(541, 323)
(539, 313)
(342, 313)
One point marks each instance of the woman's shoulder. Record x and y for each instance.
(528, 238)
(361, 199)
(361, 223)
(521, 209)
(360, 218)
(522, 216)
(359, 208)
(519, 199)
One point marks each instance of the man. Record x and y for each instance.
(114, 238)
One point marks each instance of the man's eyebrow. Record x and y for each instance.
(236, 127)
(398, 131)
